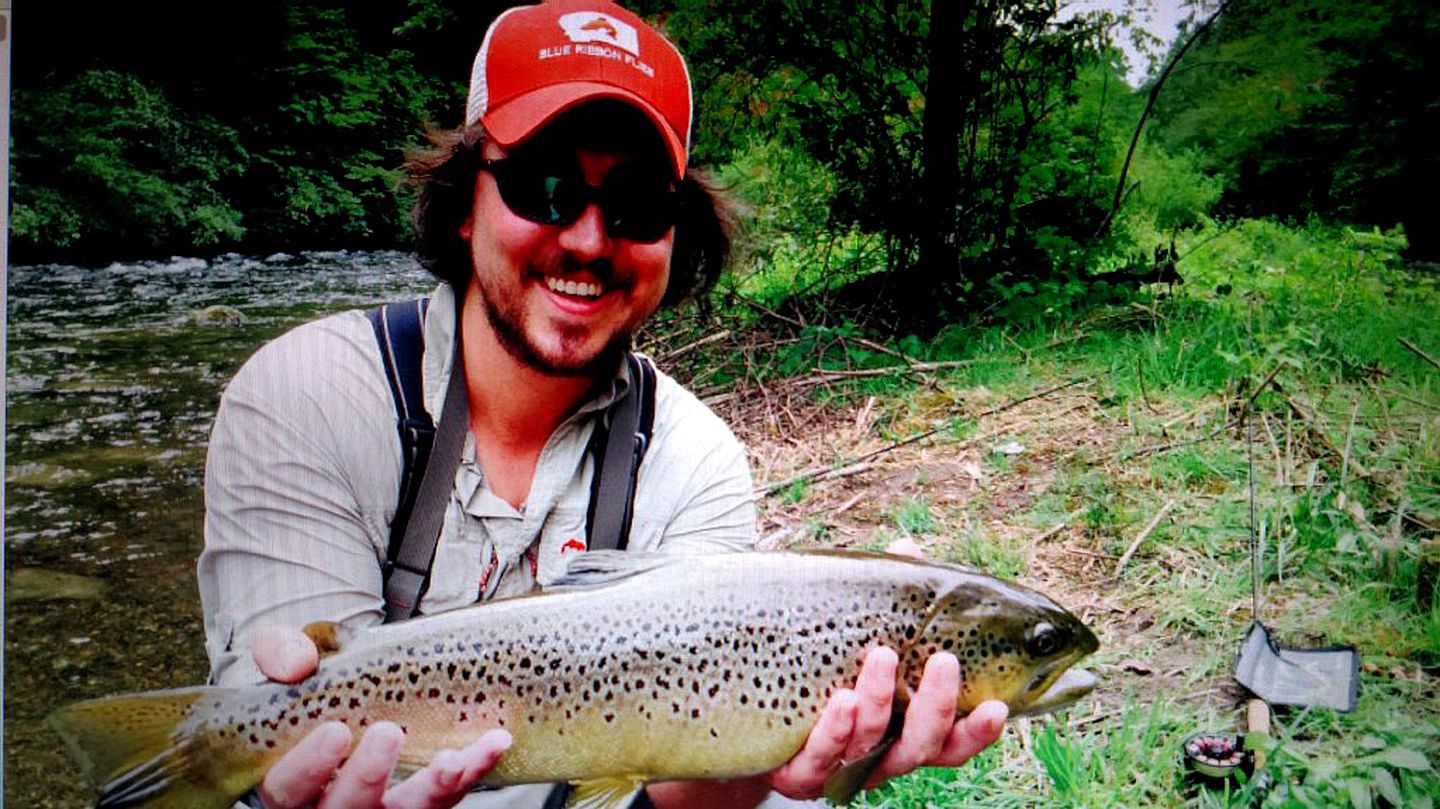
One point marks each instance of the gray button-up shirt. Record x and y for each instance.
(302, 481)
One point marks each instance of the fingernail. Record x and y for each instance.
(500, 738)
(385, 739)
(447, 769)
(334, 740)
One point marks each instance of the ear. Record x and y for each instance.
(467, 227)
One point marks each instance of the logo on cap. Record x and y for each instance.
(592, 26)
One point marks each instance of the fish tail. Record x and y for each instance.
(138, 752)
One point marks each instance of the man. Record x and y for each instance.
(560, 217)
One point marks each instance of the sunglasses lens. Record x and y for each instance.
(638, 205)
(533, 195)
(631, 207)
(640, 218)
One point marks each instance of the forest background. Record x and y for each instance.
(990, 298)
(284, 127)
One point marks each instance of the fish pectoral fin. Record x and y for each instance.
(606, 567)
(326, 635)
(604, 793)
(842, 787)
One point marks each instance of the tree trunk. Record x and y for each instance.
(940, 133)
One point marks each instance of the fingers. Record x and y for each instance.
(928, 719)
(303, 774)
(803, 776)
(974, 733)
(364, 777)
(450, 775)
(284, 654)
(299, 776)
(876, 691)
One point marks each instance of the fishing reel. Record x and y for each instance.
(1210, 756)
(1214, 759)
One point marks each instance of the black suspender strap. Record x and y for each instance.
(400, 332)
(409, 573)
(612, 486)
(430, 454)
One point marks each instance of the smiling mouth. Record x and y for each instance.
(581, 289)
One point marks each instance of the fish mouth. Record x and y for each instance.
(1067, 688)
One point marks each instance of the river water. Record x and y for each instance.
(112, 381)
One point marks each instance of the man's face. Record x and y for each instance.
(564, 300)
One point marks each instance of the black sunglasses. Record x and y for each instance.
(634, 205)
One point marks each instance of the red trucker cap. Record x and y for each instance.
(539, 61)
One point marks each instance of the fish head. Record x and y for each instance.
(1014, 645)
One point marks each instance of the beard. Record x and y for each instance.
(509, 322)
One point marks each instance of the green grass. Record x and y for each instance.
(1316, 310)
(914, 517)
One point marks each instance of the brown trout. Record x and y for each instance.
(635, 668)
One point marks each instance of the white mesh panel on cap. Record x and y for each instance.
(479, 100)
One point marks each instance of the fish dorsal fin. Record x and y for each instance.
(604, 567)
(604, 793)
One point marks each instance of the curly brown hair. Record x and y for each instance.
(445, 176)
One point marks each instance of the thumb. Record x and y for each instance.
(284, 654)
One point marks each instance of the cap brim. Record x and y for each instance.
(519, 118)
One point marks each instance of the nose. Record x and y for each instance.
(585, 239)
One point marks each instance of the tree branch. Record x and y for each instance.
(1149, 107)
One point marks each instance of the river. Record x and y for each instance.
(112, 380)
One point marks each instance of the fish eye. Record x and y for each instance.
(1043, 641)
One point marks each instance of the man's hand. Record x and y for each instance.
(323, 772)
(853, 722)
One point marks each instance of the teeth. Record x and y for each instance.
(580, 288)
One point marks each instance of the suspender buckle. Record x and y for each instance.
(403, 588)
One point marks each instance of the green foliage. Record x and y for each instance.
(796, 491)
(111, 164)
(1064, 761)
(914, 517)
(346, 108)
(1386, 772)
(991, 180)
(852, 87)
(1283, 101)
(1173, 191)
(1323, 304)
(285, 133)
(787, 245)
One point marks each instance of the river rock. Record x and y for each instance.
(219, 315)
(38, 584)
